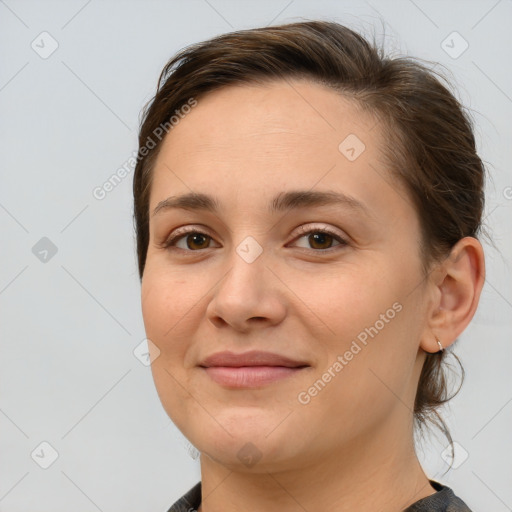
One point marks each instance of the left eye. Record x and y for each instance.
(320, 240)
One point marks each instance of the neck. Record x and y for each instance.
(379, 471)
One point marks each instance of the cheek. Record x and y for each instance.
(168, 299)
(367, 330)
(348, 298)
(170, 318)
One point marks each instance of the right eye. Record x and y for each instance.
(189, 241)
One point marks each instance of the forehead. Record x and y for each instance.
(268, 137)
(278, 111)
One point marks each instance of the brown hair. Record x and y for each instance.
(433, 153)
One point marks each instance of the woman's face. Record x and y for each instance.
(304, 248)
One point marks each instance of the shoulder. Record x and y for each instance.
(444, 500)
(189, 502)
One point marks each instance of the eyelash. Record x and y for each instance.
(170, 243)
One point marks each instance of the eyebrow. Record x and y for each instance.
(283, 202)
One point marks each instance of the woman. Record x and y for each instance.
(306, 213)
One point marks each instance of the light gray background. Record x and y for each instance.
(69, 325)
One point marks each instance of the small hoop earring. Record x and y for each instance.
(440, 346)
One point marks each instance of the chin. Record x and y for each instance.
(252, 443)
(243, 455)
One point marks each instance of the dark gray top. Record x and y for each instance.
(444, 500)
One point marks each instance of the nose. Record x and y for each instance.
(248, 297)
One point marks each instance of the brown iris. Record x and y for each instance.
(197, 241)
(320, 240)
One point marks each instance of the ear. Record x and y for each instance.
(456, 283)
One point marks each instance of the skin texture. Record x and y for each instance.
(350, 447)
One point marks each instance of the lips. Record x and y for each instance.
(250, 369)
(252, 358)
